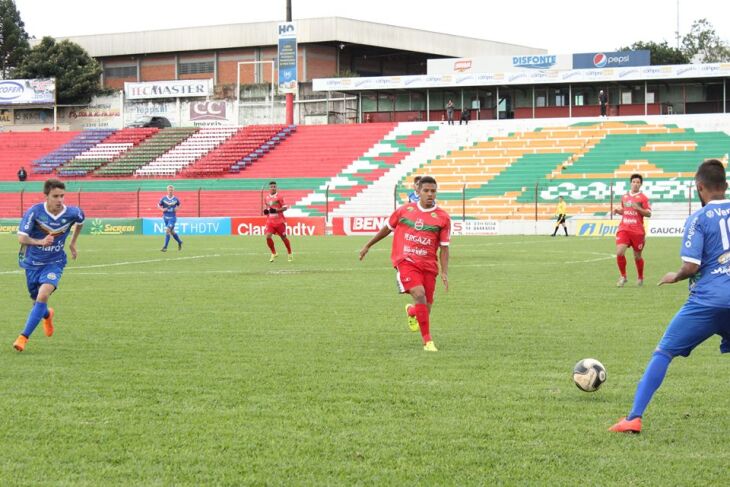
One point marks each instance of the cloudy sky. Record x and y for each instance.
(560, 26)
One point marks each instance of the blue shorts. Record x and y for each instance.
(170, 222)
(692, 325)
(37, 276)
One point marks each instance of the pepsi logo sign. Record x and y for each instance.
(600, 60)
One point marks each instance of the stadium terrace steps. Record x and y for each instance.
(317, 151)
(22, 148)
(246, 145)
(187, 152)
(378, 160)
(377, 198)
(586, 155)
(78, 145)
(148, 150)
(111, 148)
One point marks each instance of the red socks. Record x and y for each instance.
(270, 243)
(621, 261)
(639, 267)
(422, 317)
(288, 245)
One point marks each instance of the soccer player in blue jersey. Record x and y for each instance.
(413, 195)
(705, 257)
(169, 204)
(42, 234)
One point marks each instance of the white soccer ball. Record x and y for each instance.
(589, 374)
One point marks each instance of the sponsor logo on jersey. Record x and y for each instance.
(419, 224)
(52, 276)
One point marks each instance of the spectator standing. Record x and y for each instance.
(22, 174)
(603, 101)
(450, 112)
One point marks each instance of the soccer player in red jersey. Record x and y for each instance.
(421, 228)
(634, 208)
(274, 208)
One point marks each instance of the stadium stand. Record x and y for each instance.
(317, 151)
(111, 148)
(78, 145)
(243, 147)
(148, 150)
(366, 169)
(486, 170)
(187, 152)
(501, 177)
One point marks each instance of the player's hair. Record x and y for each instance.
(711, 174)
(417, 179)
(52, 184)
(637, 175)
(427, 180)
(272, 182)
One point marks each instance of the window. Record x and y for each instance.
(196, 67)
(121, 72)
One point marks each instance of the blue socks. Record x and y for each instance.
(167, 240)
(177, 239)
(649, 383)
(39, 311)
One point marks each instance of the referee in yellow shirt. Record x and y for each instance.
(560, 212)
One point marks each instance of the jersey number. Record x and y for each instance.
(724, 227)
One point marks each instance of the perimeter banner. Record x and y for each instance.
(297, 226)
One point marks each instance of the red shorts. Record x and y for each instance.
(409, 276)
(634, 240)
(276, 229)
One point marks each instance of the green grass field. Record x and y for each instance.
(212, 366)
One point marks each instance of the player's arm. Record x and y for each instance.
(687, 270)
(444, 259)
(74, 237)
(642, 211)
(384, 232)
(618, 211)
(25, 239)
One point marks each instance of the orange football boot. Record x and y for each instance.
(48, 323)
(19, 344)
(626, 426)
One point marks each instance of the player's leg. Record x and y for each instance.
(282, 234)
(623, 241)
(167, 238)
(175, 235)
(41, 284)
(692, 325)
(565, 226)
(270, 242)
(410, 280)
(638, 246)
(557, 225)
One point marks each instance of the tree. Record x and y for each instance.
(77, 74)
(661, 52)
(703, 45)
(13, 38)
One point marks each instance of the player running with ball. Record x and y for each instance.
(420, 229)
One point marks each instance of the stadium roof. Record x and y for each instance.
(318, 30)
